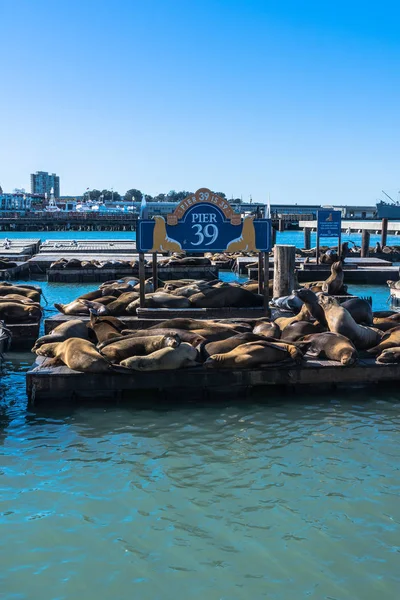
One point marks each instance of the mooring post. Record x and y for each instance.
(266, 283)
(281, 225)
(273, 236)
(141, 279)
(284, 265)
(260, 273)
(384, 232)
(365, 243)
(155, 272)
(307, 238)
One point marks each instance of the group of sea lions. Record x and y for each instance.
(19, 303)
(322, 328)
(75, 263)
(121, 297)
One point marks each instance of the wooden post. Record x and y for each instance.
(317, 250)
(273, 236)
(284, 265)
(384, 232)
(141, 279)
(281, 225)
(155, 272)
(266, 283)
(260, 273)
(307, 238)
(365, 243)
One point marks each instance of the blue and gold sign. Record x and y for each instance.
(204, 222)
(329, 223)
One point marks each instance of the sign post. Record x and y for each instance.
(205, 222)
(329, 224)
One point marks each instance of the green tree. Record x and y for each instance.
(94, 194)
(221, 194)
(133, 195)
(109, 195)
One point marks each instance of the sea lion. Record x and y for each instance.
(81, 308)
(77, 354)
(159, 300)
(393, 284)
(106, 327)
(390, 356)
(253, 354)
(266, 329)
(303, 315)
(22, 291)
(310, 300)
(297, 330)
(225, 297)
(190, 261)
(224, 346)
(118, 307)
(340, 321)
(246, 242)
(164, 359)
(391, 339)
(332, 346)
(386, 323)
(115, 352)
(14, 312)
(18, 298)
(360, 310)
(185, 336)
(91, 295)
(196, 324)
(69, 329)
(161, 241)
(334, 283)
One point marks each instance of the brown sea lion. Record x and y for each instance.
(253, 354)
(185, 336)
(81, 308)
(13, 312)
(22, 291)
(164, 359)
(225, 297)
(360, 310)
(297, 330)
(118, 307)
(159, 300)
(334, 283)
(340, 321)
(310, 300)
(75, 328)
(116, 289)
(106, 327)
(115, 352)
(390, 356)
(91, 295)
(386, 323)
(266, 329)
(332, 346)
(303, 315)
(382, 314)
(18, 298)
(77, 354)
(391, 339)
(224, 346)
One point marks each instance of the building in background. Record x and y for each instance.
(42, 183)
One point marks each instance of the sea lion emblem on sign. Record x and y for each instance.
(246, 242)
(161, 241)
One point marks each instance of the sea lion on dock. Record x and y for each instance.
(303, 315)
(185, 336)
(14, 312)
(299, 329)
(105, 327)
(390, 339)
(18, 298)
(120, 350)
(310, 300)
(77, 354)
(75, 328)
(118, 307)
(390, 356)
(223, 346)
(332, 346)
(334, 284)
(226, 297)
(252, 355)
(159, 300)
(91, 295)
(267, 329)
(164, 359)
(340, 321)
(23, 291)
(195, 324)
(360, 309)
(386, 323)
(81, 308)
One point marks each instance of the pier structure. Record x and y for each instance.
(373, 226)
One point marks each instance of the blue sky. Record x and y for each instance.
(296, 99)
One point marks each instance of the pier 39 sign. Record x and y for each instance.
(204, 222)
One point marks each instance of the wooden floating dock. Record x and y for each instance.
(89, 275)
(88, 247)
(359, 226)
(24, 335)
(56, 383)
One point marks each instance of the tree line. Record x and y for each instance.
(135, 195)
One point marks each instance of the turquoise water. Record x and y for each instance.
(282, 496)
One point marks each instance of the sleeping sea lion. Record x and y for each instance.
(115, 352)
(253, 354)
(81, 308)
(303, 315)
(193, 324)
(77, 354)
(22, 291)
(159, 300)
(225, 297)
(14, 312)
(360, 310)
(164, 359)
(391, 339)
(390, 356)
(340, 321)
(224, 346)
(297, 330)
(18, 298)
(332, 346)
(118, 307)
(69, 329)
(91, 295)
(386, 323)
(105, 327)
(266, 329)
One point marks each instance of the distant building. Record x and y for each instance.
(18, 201)
(42, 183)
(355, 212)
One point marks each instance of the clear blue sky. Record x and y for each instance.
(299, 99)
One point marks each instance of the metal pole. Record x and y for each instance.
(384, 232)
(260, 273)
(141, 279)
(155, 271)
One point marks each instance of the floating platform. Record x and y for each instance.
(88, 247)
(89, 275)
(19, 247)
(24, 335)
(372, 275)
(17, 272)
(57, 383)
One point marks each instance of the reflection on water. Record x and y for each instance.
(282, 497)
